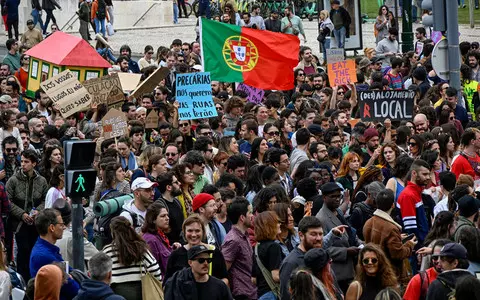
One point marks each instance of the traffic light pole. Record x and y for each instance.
(453, 48)
(407, 29)
(77, 233)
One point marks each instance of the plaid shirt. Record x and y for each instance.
(4, 209)
(10, 170)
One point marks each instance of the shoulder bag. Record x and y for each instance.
(151, 286)
(275, 287)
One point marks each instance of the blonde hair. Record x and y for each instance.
(325, 13)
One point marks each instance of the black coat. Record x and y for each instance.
(347, 20)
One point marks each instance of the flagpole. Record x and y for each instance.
(201, 44)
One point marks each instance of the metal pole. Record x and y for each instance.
(453, 49)
(77, 234)
(470, 13)
(407, 30)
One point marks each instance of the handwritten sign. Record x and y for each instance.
(254, 95)
(107, 89)
(67, 93)
(381, 105)
(152, 119)
(335, 55)
(114, 124)
(342, 72)
(194, 93)
(151, 82)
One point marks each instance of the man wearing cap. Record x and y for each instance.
(5, 101)
(273, 23)
(204, 204)
(341, 23)
(31, 36)
(194, 282)
(376, 64)
(454, 264)
(370, 157)
(135, 210)
(344, 250)
(468, 207)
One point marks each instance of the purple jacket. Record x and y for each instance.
(159, 250)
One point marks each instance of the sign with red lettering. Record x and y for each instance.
(342, 72)
(381, 105)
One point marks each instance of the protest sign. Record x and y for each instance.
(114, 124)
(151, 82)
(67, 93)
(152, 119)
(335, 55)
(381, 105)
(106, 89)
(254, 95)
(129, 81)
(342, 72)
(194, 94)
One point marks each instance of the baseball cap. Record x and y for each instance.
(6, 99)
(316, 259)
(197, 250)
(375, 59)
(468, 206)
(315, 129)
(330, 187)
(370, 133)
(223, 95)
(454, 250)
(29, 22)
(336, 2)
(198, 68)
(200, 200)
(142, 183)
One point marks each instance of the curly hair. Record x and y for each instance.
(371, 174)
(385, 272)
(130, 247)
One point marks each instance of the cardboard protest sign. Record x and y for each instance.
(335, 55)
(342, 72)
(67, 93)
(114, 124)
(106, 89)
(194, 93)
(152, 119)
(129, 81)
(381, 105)
(255, 95)
(151, 82)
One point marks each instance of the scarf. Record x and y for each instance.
(327, 23)
(164, 238)
(319, 285)
(132, 162)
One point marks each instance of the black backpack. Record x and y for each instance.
(101, 10)
(103, 235)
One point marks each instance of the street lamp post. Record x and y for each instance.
(407, 29)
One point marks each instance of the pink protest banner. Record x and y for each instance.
(342, 72)
(254, 95)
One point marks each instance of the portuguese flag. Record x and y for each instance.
(259, 58)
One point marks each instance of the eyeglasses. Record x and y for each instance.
(203, 260)
(367, 261)
(8, 150)
(171, 154)
(272, 133)
(184, 125)
(412, 144)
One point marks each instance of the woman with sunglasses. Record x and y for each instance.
(373, 273)
(299, 79)
(272, 134)
(415, 145)
(318, 261)
(184, 174)
(195, 235)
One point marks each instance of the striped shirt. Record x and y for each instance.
(121, 273)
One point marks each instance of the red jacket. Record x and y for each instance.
(414, 288)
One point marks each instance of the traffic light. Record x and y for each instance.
(80, 176)
(436, 16)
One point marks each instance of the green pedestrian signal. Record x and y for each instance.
(80, 180)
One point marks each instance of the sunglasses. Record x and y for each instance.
(452, 118)
(412, 144)
(219, 108)
(301, 74)
(184, 125)
(8, 150)
(170, 154)
(435, 257)
(203, 260)
(206, 133)
(367, 261)
(340, 93)
(277, 133)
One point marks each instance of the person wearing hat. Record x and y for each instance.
(468, 207)
(372, 140)
(345, 249)
(204, 204)
(363, 65)
(376, 64)
(194, 282)
(31, 36)
(454, 264)
(317, 260)
(135, 210)
(5, 101)
(273, 23)
(341, 23)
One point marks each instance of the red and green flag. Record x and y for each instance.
(258, 58)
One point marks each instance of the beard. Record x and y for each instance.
(176, 192)
(318, 87)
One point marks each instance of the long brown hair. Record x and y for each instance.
(130, 247)
(281, 209)
(385, 272)
(152, 213)
(370, 175)
(266, 226)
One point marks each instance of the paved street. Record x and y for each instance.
(138, 38)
